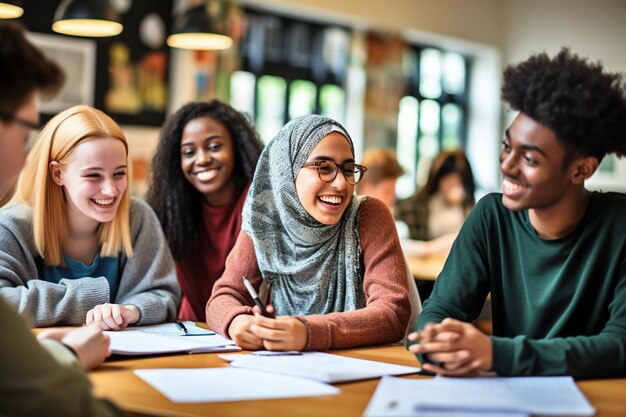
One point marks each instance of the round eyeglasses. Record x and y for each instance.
(327, 171)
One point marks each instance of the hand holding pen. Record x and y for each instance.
(256, 298)
(283, 333)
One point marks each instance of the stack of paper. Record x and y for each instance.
(167, 338)
(268, 375)
(319, 366)
(483, 396)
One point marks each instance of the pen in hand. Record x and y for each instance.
(181, 327)
(255, 297)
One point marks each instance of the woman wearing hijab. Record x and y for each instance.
(331, 260)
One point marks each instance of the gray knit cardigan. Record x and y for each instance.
(147, 279)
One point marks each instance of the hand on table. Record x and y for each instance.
(89, 343)
(256, 332)
(280, 333)
(455, 347)
(239, 331)
(113, 316)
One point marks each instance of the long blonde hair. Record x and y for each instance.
(36, 188)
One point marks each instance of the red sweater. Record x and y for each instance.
(385, 282)
(198, 272)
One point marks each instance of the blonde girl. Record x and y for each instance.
(74, 247)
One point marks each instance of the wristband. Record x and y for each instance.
(71, 349)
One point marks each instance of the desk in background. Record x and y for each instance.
(426, 268)
(115, 380)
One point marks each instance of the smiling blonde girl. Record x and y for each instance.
(74, 247)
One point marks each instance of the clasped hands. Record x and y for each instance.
(255, 332)
(455, 348)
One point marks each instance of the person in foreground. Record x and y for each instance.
(552, 253)
(42, 377)
(47, 378)
(331, 260)
(25, 73)
(200, 177)
(74, 247)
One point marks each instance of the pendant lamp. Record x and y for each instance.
(11, 9)
(196, 29)
(92, 18)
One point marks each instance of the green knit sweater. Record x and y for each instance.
(559, 306)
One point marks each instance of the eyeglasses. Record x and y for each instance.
(22, 122)
(327, 171)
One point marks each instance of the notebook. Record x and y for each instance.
(167, 338)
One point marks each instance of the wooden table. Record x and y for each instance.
(116, 381)
(426, 268)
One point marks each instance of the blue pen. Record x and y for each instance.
(256, 298)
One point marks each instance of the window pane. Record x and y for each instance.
(608, 164)
(273, 38)
(242, 92)
(428, 149)
(453, 73)
(299, 45)
(429, 118)
(336, 50)
(333, 102)
(301, 98)
(409, 64)
(428, 146)
(452, 116)
(271, 106)
(406, 148)
(430, 73)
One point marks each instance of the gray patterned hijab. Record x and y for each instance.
(310, 267)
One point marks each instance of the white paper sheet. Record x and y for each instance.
(167, 338)
(503, 396)
(320, 366)
(229, 384)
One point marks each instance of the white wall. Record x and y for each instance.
(471, 20)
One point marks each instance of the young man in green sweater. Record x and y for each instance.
(552, 253)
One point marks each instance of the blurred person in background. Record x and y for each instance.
(383, 170)
(435, 214)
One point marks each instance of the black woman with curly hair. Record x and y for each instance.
(551, 252)
(200, 177)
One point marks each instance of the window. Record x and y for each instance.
(433, 113)
(290, 68)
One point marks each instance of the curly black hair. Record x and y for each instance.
(176, 202)
(582, 104)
